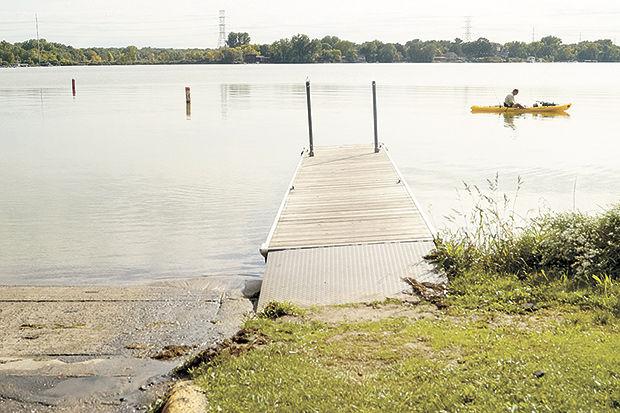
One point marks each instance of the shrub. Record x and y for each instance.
(275, 310)
(493, 239)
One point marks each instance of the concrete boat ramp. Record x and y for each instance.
(349, 230)
(103, 348)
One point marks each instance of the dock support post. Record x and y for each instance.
(309, 119)
(374, 112)
(73, 86)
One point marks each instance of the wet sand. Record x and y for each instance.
(93, 348)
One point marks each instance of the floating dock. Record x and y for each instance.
(349, 230)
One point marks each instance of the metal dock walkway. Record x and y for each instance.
(349, 230)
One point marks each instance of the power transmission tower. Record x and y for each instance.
(533, 34)
(468, 29)
(36, 22)
(222, 40)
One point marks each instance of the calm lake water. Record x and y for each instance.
(117, 185)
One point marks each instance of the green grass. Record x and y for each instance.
(394, 365)
(531, 323)
(513, 294)
(479, 354)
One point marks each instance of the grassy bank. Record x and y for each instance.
(501, 344)
(531, 322)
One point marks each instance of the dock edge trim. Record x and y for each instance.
(417, 204)
(264, 248)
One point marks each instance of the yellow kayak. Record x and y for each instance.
(538, 109)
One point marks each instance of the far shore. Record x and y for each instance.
(288, 64)
(300, 48)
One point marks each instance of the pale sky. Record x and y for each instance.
(194, 23)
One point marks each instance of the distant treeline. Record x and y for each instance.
(302, 49)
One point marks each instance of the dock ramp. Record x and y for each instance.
(349, 230)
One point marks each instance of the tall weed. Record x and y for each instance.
(491, 237)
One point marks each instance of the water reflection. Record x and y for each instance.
(233, 93)
(552, 115)
(509, 119)
(103, 188)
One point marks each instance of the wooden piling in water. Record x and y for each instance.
(188, 95)
(73, 90)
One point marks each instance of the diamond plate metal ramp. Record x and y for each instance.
(348, 274)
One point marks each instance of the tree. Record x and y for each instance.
(330, 56)
(93, 57)
(608, 52)
(388, 53)
(587, 51)
(566, 53)
(370, 51)
(480, 48)
(214, 56)
(348, 50)
(280, 51)
(550, 47)
(304, 50)
(232, 55)
(535, 49)
(517, 50)
(417, 51)
(129, 55)
(456, 47)
(332, 41)
(238, 39)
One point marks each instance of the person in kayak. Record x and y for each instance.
(509, 102)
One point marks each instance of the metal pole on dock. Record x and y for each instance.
(374, 112)
(310, 119)
(73, 86)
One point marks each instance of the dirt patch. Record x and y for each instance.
(420, 346)
(361, 313)
(55, 326)
(349, 335)
(242, 342)
(431, 292)
(536, 322)
(172, 352)
(137, 346)
(27, 326)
